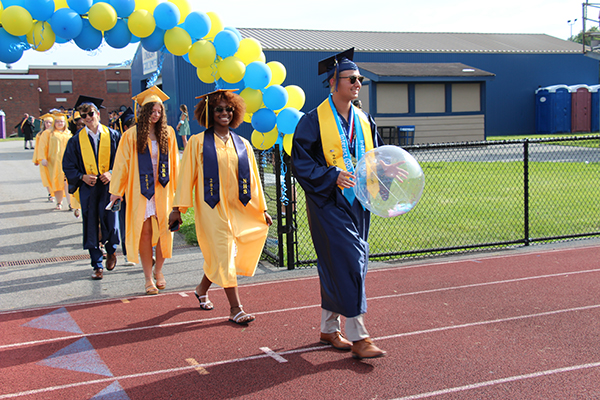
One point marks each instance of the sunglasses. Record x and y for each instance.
(220, 109)
(85, 115)
(353, 78)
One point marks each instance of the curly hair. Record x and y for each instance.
(232, 99)
(160, 128)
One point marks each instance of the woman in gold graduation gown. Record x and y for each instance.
(230, 210)
(145, 173)
(47, 124)
(51, 154)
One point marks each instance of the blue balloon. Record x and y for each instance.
(8, 3)
(80, 6)
(89, 38)
(40, 10)
(287, 119)
(234, 30)
(134, 39)
(155, 41)
(66, 23)
(119, 36)
(226, 43)
(124, 8)
(166, 15)
(275, 97)
(60, 40)
(11, 48)
(221, 84)
(258, 75)
(197, 24)
(264, 120)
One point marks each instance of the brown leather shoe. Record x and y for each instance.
(336, 340)
(97, 275)
(366, 349)
(111, 261)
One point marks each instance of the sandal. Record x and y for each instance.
(58, 207)
(51, 198)
(161, 283)
(151, 289)
(205, 305)
(242, 318)
(76, 212)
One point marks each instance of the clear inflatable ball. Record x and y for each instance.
(389, 181)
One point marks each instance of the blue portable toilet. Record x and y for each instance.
(595, 108)
(552, 110)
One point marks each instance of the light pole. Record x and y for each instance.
(571, 22)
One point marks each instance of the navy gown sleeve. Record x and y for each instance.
(73, 163)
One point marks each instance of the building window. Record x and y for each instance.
(430, 98)
(117, 86)
(60, 86)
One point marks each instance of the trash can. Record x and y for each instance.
(406, 135)
(2, 125)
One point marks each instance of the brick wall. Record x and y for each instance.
(86, 81)
(18, 96)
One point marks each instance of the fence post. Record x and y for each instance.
(290, 214)
(280, 229)
(526, 191)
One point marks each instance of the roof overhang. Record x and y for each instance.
(419, 72)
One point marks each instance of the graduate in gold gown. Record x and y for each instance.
(51, 155)
(47, 125)
(145, 174)
(219, 178)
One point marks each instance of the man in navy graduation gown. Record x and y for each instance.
(99, 224)
(325, 139)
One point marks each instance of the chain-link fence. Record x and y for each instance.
(478, 195)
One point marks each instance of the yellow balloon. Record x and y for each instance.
(148, 5)
(17, 21)
(178, 41)
(278, 72)
(248, 118)
(262, 57)
(253, 99)
(232, 69)
(202, 53)
(41, 36)
(184, 8)
(208, 74)
(263, 141)
(58, 4)
(141, 23)
(249, 50)
(296, 97)
(287, 143)
(102, 16)
(216, 25)
(1, 9)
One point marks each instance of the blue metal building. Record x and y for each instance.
(519, 63)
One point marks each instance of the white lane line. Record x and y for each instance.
(273, 355)
(152, 373)
(284, 310)
(371, 271)
(183, 294)
(500, 381)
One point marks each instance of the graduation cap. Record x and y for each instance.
(94, 101)
(206, 96)
(337, 63)
(153, 94)
(47, 115)
(125, 118)
(76, 115)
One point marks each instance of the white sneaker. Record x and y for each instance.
(128, 263)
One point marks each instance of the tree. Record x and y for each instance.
(579, 37)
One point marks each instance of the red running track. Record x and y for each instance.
(520, 326)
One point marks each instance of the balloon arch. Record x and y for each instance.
(219, 53)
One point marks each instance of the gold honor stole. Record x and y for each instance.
(332, 144)
(87, 152)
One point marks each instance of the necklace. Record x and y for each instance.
(222, 136)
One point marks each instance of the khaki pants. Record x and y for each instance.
(355, 327)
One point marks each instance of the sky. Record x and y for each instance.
(475, 16)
